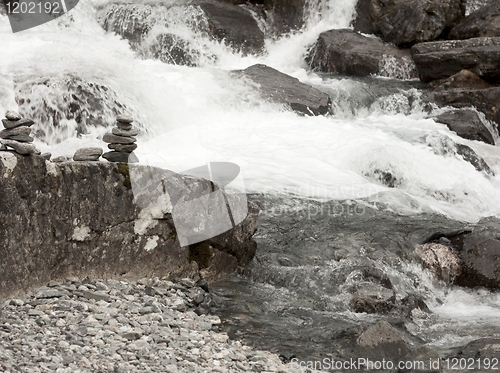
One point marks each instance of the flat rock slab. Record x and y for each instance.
(8, 124)
(285, 89)
(20, 147)
(347, 52)
(115, 139)
(120, 157)
(441, 59)
(12, 115)
(124, 119)
(87, 154)
(121, 132)
(123, 147)
(483, 22)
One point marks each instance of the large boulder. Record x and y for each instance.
(406, 22)
(347, 52)
(441, 59)
(285, 15)
(465, 89)
(285, 89)
(483, 22)
(467, 124)
(107, 220)
(382, 340)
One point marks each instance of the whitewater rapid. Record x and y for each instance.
(191, 115)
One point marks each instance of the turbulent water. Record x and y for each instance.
(193, 114)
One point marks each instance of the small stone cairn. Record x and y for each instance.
(16, 134)
(122, 141)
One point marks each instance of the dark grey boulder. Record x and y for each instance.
(174, 50)
(483, 22)
(104, 220)
(406, 22)
(467, 124)
(285, 15)
(441, 59)
(382, 340)
(480, 256)
(347, 52)
(285, 89)
(233, 25)
(484, 348)
(469, 155)
(87, 154)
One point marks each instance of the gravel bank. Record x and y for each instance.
(92, 325)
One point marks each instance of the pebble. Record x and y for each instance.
(12, 115)
(87, 154)
(134, 329)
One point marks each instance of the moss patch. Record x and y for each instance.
(122, 168)
(201, 253)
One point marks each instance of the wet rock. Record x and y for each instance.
(471, 156)
(383, 340)
(441, 59)
(483, 22)
(233, 25)
(174, 50)
(408, 22)
(484, 348)
(87, 154)
(441, 260)
(480, 257)
(281, 88)
(414, 302)
(466, 124)
(462, 79)
(347, 52)
(285, 15)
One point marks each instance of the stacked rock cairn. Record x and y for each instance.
(122, 141)
(16, 134)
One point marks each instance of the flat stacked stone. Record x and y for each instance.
(16, 134)
(87, 154)
(122, 141)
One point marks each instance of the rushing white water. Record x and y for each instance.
(190, 115)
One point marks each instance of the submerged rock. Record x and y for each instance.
(347, 52)
(404, 22)
(441, 59)
(441, 260)
(285, 89)
(467, 124)
(384, 341)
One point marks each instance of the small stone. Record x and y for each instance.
(124, 118)
(53, 284)
(123, 148)
(87, 154)
(121, 132)
(20, 147)
(131, 336)
(12, 115)
(16, 302)
(121, 157)
(5, 134)
(3, 147)
(47, 293)
(150, 291)
(46, 156)
(20, 138)
(59, 159)
(17, 123)
(124, 126)
(97, 295)
(115, 139)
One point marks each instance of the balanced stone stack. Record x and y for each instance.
(16, 134)
(122, 141)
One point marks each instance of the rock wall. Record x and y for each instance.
(90, 218)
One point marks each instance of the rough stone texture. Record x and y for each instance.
(383, 340)
(120, 132)
(119, 156)
(233, 25)
(20, 147)
(483, 22)
(484, 348)
(7, 133)
(469, 155)
(441, 260)
(87, 154)
(462, 79)
(346, 52)
(441, 59)
(12, 115)
(467, 124)
(9, 124)
(123, 148)
(480, 258)
(406, 22)
(115, 139)
(281, 88)
(286, 15)
(122, 118)
(81, 218)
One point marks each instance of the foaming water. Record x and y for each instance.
(333, 157)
